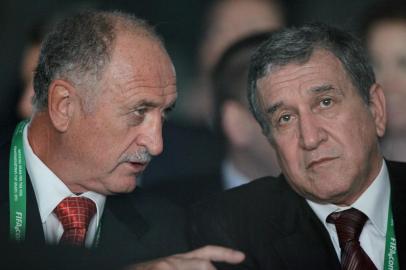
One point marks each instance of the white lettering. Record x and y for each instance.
(391, 253)
(19, 224)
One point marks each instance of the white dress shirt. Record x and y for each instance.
(231, 177)
(50, 191)
(374, 203)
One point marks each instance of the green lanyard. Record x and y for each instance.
(17, 185)
(391, 257)
(18, 188)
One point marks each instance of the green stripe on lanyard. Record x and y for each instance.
(17, 188)
(391, 258)
(17, 185)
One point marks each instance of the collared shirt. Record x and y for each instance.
(374, 203)
(50, 191)
(231, 177)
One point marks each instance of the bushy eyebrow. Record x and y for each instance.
(328, 88)
(322, 89)
(273, 108)
(152, 104)
(147, 103)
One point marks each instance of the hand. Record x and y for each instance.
(197, 259)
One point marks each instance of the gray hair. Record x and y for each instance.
(79, 48)
(296, 45)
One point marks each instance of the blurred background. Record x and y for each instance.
(179, 21)
(197, 33)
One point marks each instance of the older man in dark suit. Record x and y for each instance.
(103, 86)
(338, 204)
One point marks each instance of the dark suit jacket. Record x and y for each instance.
(135, 227)
(277, 229)
(188, 190)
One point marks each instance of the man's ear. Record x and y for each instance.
(61, 96)
(377, 106)
(234, 123)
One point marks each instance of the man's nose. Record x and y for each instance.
(151, 136)
(312, 133)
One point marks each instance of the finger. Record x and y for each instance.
(195, 264)
(217, 254)
(173, 263)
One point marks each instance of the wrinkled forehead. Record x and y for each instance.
(321, 68)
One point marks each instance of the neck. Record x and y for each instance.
(375, 165)
(394, 148)
(40, 137)
(47, 145)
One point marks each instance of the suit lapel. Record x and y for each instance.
(122, 228)
(397, 171)
(310, 243)
(120, 209)
(34, 231)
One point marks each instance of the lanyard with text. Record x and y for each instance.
(17, 188)
(391, 258)
(17, 185)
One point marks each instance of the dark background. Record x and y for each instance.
(178, 21)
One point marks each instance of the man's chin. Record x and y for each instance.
(125, 186)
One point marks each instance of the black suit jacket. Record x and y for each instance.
(277, 229)
(135, 227)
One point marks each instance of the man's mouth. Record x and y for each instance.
(320, 161)
(138, 167)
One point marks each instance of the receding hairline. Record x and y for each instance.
(123, 23)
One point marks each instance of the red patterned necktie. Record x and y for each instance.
(349, 224)
(75, 214)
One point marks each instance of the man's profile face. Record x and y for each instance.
(114, 141)
(324, 134)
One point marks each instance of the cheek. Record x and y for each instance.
(104, 148)
(289, 157)
(359, 137)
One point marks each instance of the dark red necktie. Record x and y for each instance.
(349, 224)
(75, 214)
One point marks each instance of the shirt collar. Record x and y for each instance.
(374, 202)
(48, 188)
